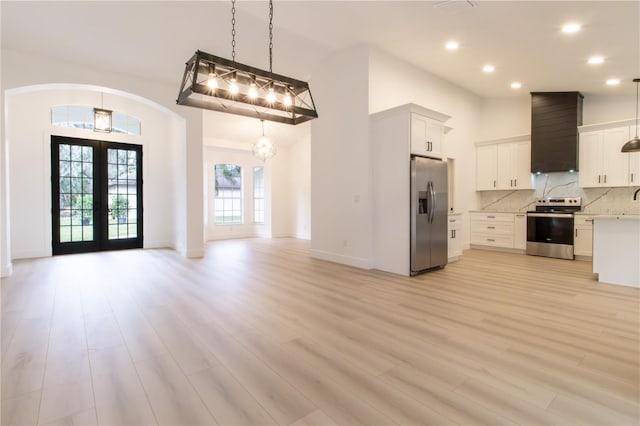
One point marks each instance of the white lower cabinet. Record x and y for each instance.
(583, 236)
(455, 238)
(492, 229)
(520, 231)
(500, 230)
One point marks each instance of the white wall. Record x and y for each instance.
(505, 117)
(29, 136)
(20, 69)
(341, 220)
(602, 109)
(393, 82)
(244, 159)
(300, 187)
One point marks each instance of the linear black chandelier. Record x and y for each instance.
(218, 84)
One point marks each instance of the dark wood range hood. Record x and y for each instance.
(555, 117)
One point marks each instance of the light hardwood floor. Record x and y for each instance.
(259, 333)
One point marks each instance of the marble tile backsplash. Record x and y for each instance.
(594, 200)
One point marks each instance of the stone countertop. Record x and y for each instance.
(600, 214)
(635, 217)
(497, 211)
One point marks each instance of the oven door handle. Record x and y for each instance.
(560, 215)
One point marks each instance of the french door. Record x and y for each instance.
(96, 190)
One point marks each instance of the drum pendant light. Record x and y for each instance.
(634, 144)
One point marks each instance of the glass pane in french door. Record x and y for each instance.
(122, 187)
(75, 163)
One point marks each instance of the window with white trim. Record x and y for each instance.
(228, 194)
(258, 194)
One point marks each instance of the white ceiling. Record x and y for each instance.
(522, 39)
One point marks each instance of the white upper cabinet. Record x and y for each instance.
(504, 164)
(602, 164)
(634, 162)
(590, 159)
(427, 136)
(486, 167)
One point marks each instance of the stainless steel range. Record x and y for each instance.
(550, 227)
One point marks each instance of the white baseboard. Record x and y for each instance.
(303, 236)
(500, 249)
(157, 244)
(6, 270)
(194, 253)
(30, 254)
(281, 235)
(358, 262)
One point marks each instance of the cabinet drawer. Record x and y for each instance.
(483, 239)
(492, 228)
(492, 217)
(583, 221)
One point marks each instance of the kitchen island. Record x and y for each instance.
(616, 249)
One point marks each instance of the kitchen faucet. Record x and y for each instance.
(635, 194)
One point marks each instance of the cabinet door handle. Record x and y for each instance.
(576, 232)
(511, 183)
(598, 178)
(491, 239)
(491, 217)
(605, 178)
(491, 227)
(520, 215)
(515, 183)
(631, 177)
(494, 183)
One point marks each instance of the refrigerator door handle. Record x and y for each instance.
(433, 202)
(430, 202)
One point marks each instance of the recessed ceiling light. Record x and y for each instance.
(595, 60)
(516, 85)
(488, 68)
(570, 28)
(613, 82)
(452, 45)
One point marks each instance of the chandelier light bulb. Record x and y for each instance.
(212, 82)
(233, 87)
(264, 145)
(253, 91)
(288, 101)
(271, 96)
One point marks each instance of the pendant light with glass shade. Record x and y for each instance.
(634, 144)
(263, 149)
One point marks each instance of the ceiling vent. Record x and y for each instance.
(455, 5)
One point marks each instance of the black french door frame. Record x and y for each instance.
(100, 208)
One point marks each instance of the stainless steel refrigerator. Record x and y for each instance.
(429, 209)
